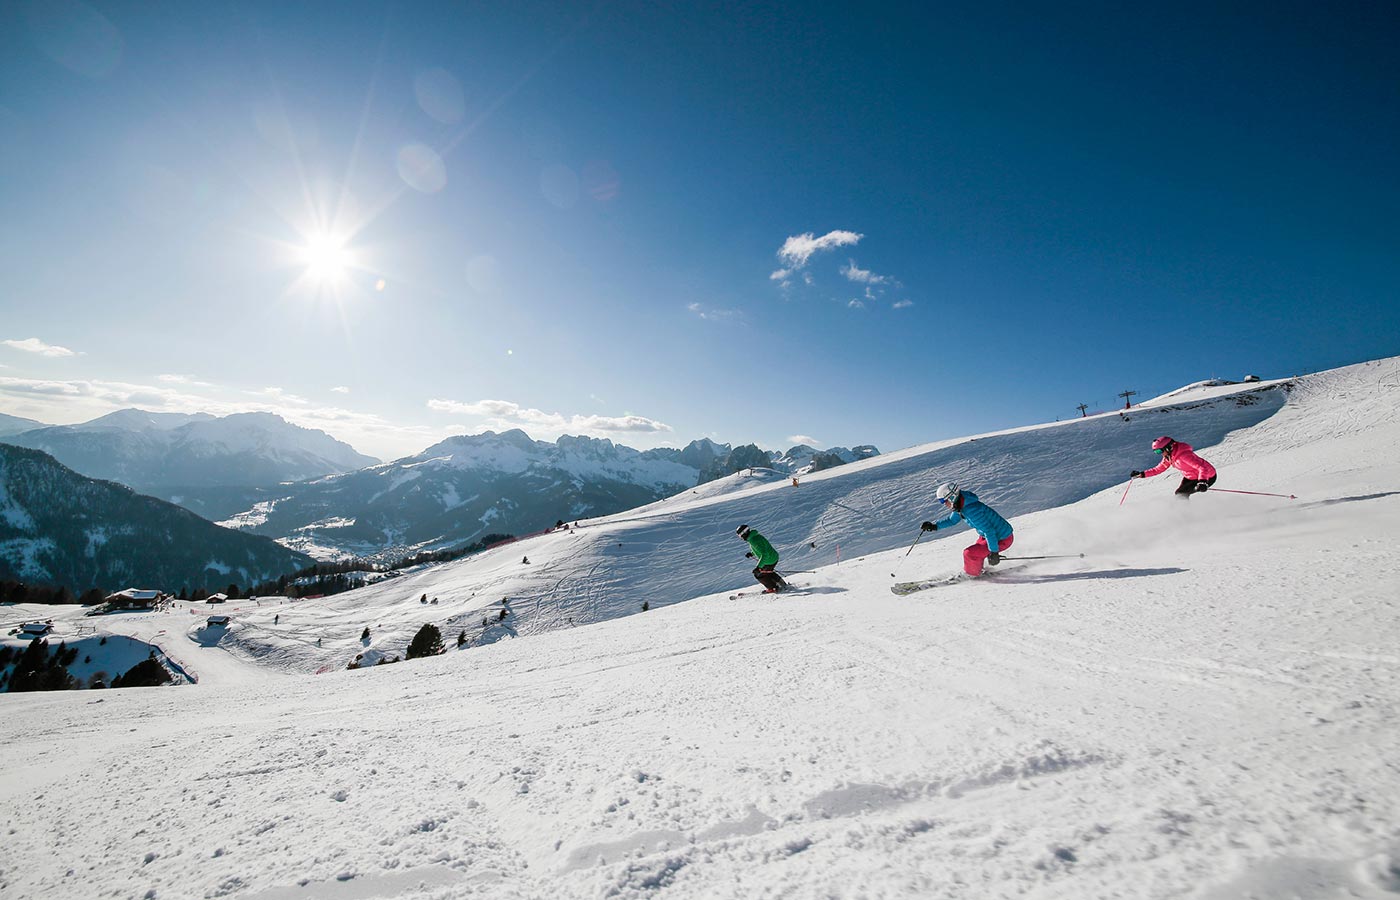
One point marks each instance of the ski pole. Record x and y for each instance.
(1125, 491)
(909, 551)
(1255, 493)
(1061, 556)
(853, 509)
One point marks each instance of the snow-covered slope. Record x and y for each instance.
(1204, 705)
(685, 546)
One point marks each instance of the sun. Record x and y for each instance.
(326, 257)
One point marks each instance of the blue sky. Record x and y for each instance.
(401, 221)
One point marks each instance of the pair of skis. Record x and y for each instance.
(905, 588)
(759, 592)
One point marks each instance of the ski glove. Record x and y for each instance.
(994, 558)
(928, 526)
(1201, 487)
(748, 556)
(1135, 473)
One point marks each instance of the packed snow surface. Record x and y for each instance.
(1203, 705)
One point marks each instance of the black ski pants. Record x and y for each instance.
(1188, 485)
(769, 578)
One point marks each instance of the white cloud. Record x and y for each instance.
(34, 345)
(804, 439)
(856, 304)
(114, 393)
(903, 304)
(711, 314)
(340, 389)
(798, 249)
(281, 396)
(780, 275)
(182, 379)
(504, 413)
(854, 272)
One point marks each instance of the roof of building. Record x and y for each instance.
(137, 594)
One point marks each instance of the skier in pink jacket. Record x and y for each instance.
(1198, 474)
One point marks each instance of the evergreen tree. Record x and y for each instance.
(427, 642)
(29, 668)
(461, 637)
(364, 635)
(38, 670)
(146, 673)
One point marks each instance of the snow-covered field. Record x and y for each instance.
(1204, 705)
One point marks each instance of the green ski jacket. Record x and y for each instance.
(763, 550)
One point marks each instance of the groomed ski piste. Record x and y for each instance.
(1204, 705)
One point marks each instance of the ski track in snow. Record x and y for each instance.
(1205, 705)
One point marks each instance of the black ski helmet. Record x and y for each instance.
(742, 531)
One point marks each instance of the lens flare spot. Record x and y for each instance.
(440, 95)
(601, 181)
(422, 168)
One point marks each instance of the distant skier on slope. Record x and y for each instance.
(1199, 474)
(991, 528)
(767, 557)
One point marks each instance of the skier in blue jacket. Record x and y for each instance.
(992, 529)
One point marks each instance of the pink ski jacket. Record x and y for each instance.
(1184, 458)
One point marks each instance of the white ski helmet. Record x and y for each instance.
(948, 493)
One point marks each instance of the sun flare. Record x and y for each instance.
(326, 258)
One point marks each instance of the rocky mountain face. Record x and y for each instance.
(168, 453)
(471, 485)
(798, 460)
(802, 459)
(59, 527)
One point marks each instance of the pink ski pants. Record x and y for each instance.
(976, 555)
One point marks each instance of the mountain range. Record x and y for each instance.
(258, 473)
(59, 527)
(166, 453)
(17, 424)
(470, 485)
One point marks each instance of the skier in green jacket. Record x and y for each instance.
(767, 557)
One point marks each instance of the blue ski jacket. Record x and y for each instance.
(981, 517)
